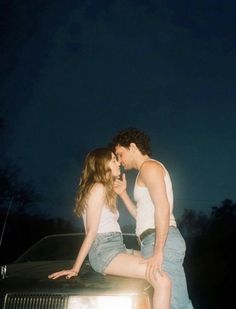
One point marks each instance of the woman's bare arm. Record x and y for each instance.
(95, 203)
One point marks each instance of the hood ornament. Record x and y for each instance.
(3, 271)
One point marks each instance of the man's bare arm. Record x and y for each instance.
(152, 175)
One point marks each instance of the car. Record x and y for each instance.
(24, 284)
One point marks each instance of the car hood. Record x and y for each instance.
(33, 277)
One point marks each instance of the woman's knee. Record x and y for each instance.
(166, 281)
(162, 281)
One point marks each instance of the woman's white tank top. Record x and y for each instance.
(145, 207)
(108, 221)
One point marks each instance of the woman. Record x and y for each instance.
(96, 203)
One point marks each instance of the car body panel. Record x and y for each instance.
(30, 277)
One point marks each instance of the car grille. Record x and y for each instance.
(41, 301)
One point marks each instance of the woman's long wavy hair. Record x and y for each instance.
(96, 170)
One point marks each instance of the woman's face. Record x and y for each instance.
(114, 166)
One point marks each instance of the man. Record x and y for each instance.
(162, 245)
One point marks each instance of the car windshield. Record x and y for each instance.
(55, 247)
(63, 247)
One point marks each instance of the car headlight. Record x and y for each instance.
(108, 302)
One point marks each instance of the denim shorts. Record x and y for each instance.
(104, 248)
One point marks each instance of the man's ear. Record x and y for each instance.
(133, 147)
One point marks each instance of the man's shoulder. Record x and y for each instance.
(152, 163)
(152, 166)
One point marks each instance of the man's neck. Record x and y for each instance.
(140, 160)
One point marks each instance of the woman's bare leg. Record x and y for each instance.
(162, 292)
(129, 266)
(137, 253)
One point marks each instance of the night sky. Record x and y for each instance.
(73, 73)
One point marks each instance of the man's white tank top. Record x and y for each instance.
(108, 221)
(145, 207)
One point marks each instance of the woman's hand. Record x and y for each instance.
(120, 185)
(69, 273)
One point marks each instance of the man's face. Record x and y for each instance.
(124, 156)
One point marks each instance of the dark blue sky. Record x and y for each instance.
(73, 73)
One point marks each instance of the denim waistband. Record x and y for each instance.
(108, 234)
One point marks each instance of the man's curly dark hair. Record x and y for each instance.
(132, 135)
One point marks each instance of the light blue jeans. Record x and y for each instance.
(174, 253)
